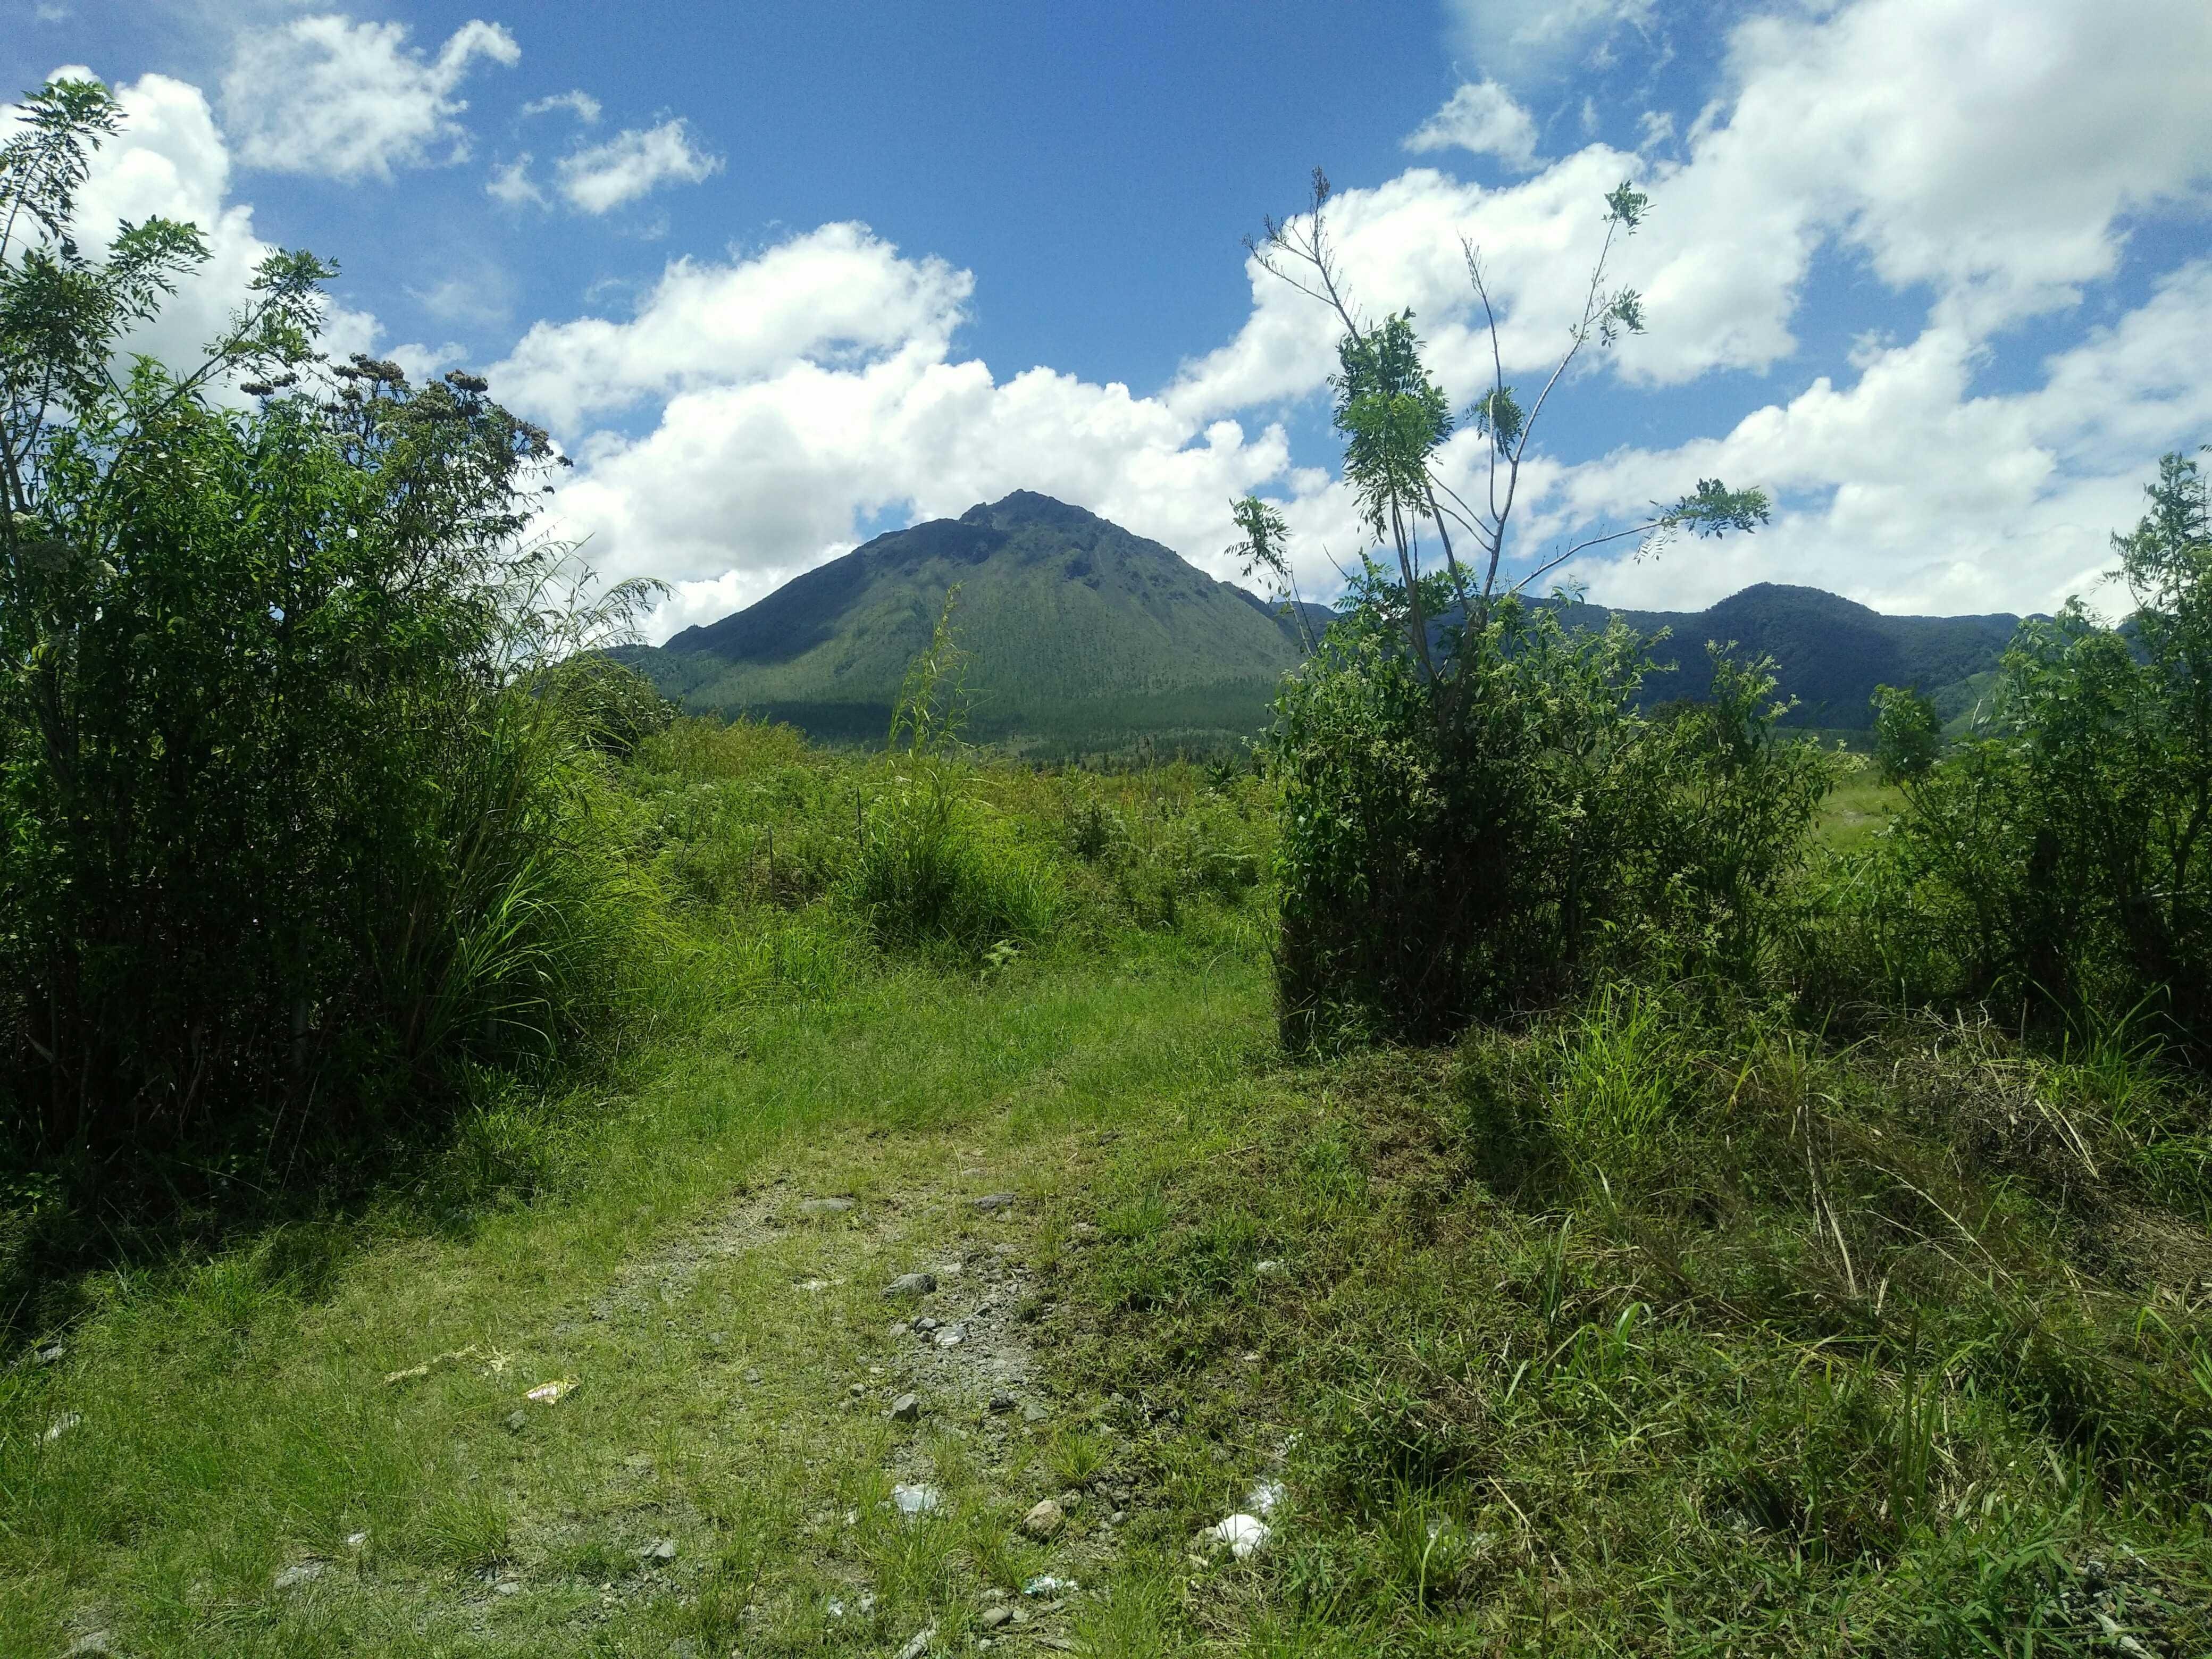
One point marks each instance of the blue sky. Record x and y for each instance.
(782, 275)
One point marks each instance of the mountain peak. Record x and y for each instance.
(1028, 506)
(1075, 626)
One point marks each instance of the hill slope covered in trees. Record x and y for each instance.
(1079, 632)
(1831, 653)
(1085, 635)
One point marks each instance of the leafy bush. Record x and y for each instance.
(931, 868)
(1454, 849)
(296, 817)
(2057, 860)
(1474, 812)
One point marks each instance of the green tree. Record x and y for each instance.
(294, 819)
(2069, 836)
(1475, 813)
(1394, 419)
(1907, 735)
(1265, 552)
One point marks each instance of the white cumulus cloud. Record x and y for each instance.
(579, 103)
(812, 386)
(634, 163)
(352, 100)
(1480, 117)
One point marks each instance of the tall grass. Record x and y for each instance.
(934, 871)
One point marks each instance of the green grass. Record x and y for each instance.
(1630, 1333)
(234, 1418)
(1856, 812)
(1650, 1326)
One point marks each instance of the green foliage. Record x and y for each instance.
(1476, 815)
(932, 706)
(1453, 850)
(297, 824)
(2056, 860)
(935, 870)
(1907, 735)
(1392, 417)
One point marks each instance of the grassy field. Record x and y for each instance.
(1856, 812)
(1649, 1327)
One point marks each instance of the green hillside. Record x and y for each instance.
(1087, 637)
(1083, 635)
(1832, 652)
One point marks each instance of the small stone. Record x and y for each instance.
(995, 1201)
(994, 1617)
(1033, 1412)
(357, 1540)
(857, 1389)
(951, 1337)
(905, 1409)
(1045, 1520)
(517, 1421)
(1001, 1404)
(661, 1549)
(825, 1206)
(1267, 1269)
(912, 1285)
(865, 1606)
(919, 1642)
(298, 1573)
(507, 1587)
(994, 1596)
(1117, 1517)
(900, 1328)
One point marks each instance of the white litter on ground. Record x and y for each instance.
(1244, 1533)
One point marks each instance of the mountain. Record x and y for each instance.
(1084, 636)
(1832, 652)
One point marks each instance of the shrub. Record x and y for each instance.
(1454, 849)
(297, 817)
(2058, 861)
(1473, 811)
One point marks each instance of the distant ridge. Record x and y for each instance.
(1831, 652)
(1087, 638)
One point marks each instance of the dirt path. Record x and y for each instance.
(767, 1448)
